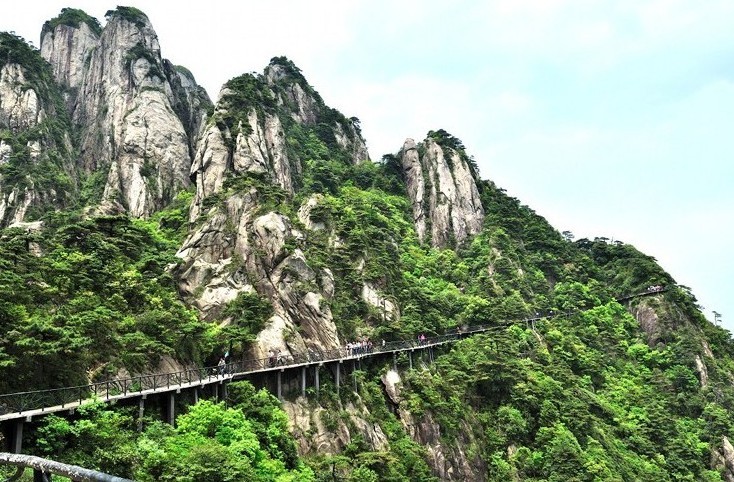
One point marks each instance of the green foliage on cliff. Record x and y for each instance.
(73, 17)
(140, 51)
(247, 441)
(90, 293)
(130, 14)
(248, 314)
(39, 164)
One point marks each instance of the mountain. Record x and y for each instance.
(137, 115)
(146, 229)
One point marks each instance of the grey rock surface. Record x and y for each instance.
(443, 193)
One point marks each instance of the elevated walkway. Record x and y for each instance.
(29, 404)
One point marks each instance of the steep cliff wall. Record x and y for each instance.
(443, 191)
(67, 42)
(249, 161)
(36, 168)
(138, 116)
(268, 124)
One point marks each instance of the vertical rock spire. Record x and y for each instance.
(128, 103)
(443, 190)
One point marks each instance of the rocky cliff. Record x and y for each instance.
(292, 240)
(250, 159)
(442, 187)
(137, 114)
(37, 172)
(270, 124)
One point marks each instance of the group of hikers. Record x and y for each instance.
(363, 346)
(360, 347)
(274, 358)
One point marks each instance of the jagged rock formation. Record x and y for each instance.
(724, 458)
(67, 42)
(443, 192)
(138, 115)
(236, 250)
(248, 134)
(318, 431)
(448, 461)
(242, 156)
(36, 170)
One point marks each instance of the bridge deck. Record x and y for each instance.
(104, 395)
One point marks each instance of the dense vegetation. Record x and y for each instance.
(73, 17)
(131, 14)
(588, 394)
(87, 297)
(247, 439)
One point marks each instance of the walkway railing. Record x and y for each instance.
(129, 387)
(43, 467)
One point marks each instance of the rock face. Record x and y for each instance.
(307, 108)
(256, 146)
(243, 161)
(35, 143)
(137, 114)
(703, 374)
(251, 120)
(723, 459)
(447, 461)
(237, 250)
(317, 431)
(70, 47)
(443, 193)
(387, 309)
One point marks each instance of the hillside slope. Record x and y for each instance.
(172, 231)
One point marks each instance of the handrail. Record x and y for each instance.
(19, 402)
(46, 466)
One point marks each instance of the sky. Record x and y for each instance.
(610, 118)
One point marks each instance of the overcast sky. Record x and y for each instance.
(610, 118)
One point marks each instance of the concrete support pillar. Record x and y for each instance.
(18, 437)
(40, 476)
(215, 387)
(410, 358)
(224, 391)
(316, 381)
(354, 374)
(303, 381)
(171, 415)
(196, 395)
(338, 375)
(141, 412)
(395, 361)
(280, 386)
